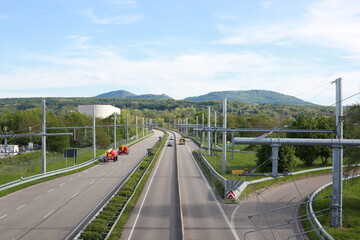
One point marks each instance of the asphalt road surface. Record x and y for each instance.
(51, 210)
(204, 216)
(156, 214)
(286, 196)
(202, 213)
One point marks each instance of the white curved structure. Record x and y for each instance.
(101, 111)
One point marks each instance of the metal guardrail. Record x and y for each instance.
(47, 174)
(76, 233)
(55, 172)
(317, 226)
(213, 171)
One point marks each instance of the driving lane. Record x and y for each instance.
(51, 210)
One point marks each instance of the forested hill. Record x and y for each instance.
(126, 94)
(252, 96)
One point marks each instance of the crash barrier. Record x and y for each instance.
(319, 229)
(237, 187)
(111, 205)
(54, 172)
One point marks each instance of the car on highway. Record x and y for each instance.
(171, 137)
(170, 144)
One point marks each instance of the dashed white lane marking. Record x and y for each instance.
(146, 193)
(51, 190)
(49, 214)
(231, 227)
(78, 175)
(21, 206)
(85, 171)
(71, 179)
(61, 184)
(92, 182)
(75, 195)
(3, 216)
(37, 197)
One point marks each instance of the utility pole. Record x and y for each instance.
(209, 133)
(224, 137)
(203, 133)
(197, 124)
(127, 128)
(338, 161)
(143, 126)
(94, 133)
(215, 125)
(114, 130)
(43, 138)
(136, 128)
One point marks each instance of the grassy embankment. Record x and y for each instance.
(351, 215)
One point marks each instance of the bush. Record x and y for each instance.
(88, 235)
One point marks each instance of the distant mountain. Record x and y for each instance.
(117, 94)
(152, 96)
(252, 96)
(126, 94)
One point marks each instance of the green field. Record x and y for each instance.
(351, 211)
(248, 160)
(29, 164)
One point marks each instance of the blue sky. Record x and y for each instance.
(82, 48)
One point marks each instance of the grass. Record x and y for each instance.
(248, 160)
(351, 211)
(29, 164)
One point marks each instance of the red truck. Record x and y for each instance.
(110, 154)
(123, 149)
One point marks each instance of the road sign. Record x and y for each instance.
(230, 194)
(237, 172)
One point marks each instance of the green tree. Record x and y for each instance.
(352, 131)
(307, 154)
(286, 158)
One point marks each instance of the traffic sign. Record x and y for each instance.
(237, 172)
(230, 194)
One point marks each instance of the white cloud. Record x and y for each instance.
(332, 23)
(123, 19)
(179, 77)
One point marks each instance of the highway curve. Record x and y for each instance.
(51, 210)
(286, 196)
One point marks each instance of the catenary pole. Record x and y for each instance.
(224, 137)
(43, 147)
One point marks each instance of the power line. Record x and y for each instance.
(345, 99)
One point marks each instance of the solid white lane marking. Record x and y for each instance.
(75, 195)
(51, 190)
(85, 171)
(49, 214)
(60, 185)
(37, 197)
(21, 206)
(231, 227)
(3, 216)
(147, 191)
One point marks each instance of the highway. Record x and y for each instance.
(156, 215)
(202, 213)
(286, 196)
(51, 210)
